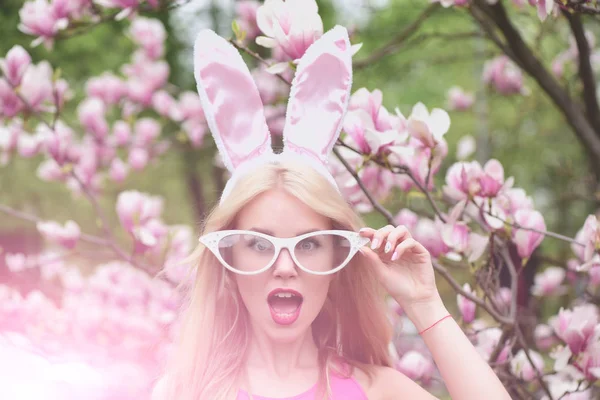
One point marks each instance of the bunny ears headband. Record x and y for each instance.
(234, 111)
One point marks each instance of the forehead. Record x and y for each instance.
(281, 213)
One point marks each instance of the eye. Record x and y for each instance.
(259, 244)
(309, 244)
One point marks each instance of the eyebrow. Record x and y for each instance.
(268, 232)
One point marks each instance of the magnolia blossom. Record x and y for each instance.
(465, 147)
(544, 7)
(246, 17)
(528, 240)
(466, 307)
(549, 282)
(92, 113)
(459, 100)
(15, 64)
(589, 235)
(38, 19)
(575, 327)
(369, 125)
(504, 75)
(108, 87)
(291, 25)
(523, 369)
(544, 337)
(487, 339)
(428, 128)
(66, 235)
(414, 365)
(150, 34)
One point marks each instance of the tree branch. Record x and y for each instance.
(586, 74)
(523, 55)
(398, 40)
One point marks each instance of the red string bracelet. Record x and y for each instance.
(435, 323)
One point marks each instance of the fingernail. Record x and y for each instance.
(395, 256)
(375, 244)
(388, 247)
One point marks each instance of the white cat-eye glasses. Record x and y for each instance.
(248, 252)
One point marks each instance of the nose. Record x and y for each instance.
(284, 266)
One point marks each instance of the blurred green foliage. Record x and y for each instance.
(527, 134)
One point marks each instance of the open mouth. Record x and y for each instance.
(285, 305)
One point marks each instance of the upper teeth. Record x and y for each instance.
(284, 294)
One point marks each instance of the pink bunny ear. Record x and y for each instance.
(230, 99)
(319, 96)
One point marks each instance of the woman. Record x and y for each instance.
(288, 302)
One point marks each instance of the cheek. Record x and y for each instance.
(250, 289)
(316, 293)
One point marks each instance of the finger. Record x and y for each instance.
(397, 236)
(380, 236)
(367, 232)
(403, 247)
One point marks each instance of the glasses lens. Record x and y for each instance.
(322, 252)
(246, 252)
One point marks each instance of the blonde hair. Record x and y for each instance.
(352, 328)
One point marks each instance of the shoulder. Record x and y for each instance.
(388, 383)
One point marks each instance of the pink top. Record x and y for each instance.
(341, 389)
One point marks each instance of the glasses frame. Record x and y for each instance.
(211, 241)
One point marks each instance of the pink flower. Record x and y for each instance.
(138, 158)
(66, 235)
(487, 339)
(135, 208)
(196, 129)
(428, 234)
(30, 145)
(527, 241)
(514, 199)
(465, 147)
(270, 87)
(38, 19)
(190, 106)
(414, 365)
(407, 218)
(121, 133)
(548, 282)
(50, 171)
(246, 17)
(108, 87)
(428, 128)
(459, 100)
(589, 235)
(15, 64)
(466, 307)
(575, 327)
(544, 7)
(59, 143)
(146, 131)
(523, 369)
(504, 75)
(10, 104)
(118, 170)
(150, 34)
(165, 105)
(544, 337)
(492, 179)
(463, 180)
(145, 77)
(36, 86)
(91, 114)
(291, 25)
